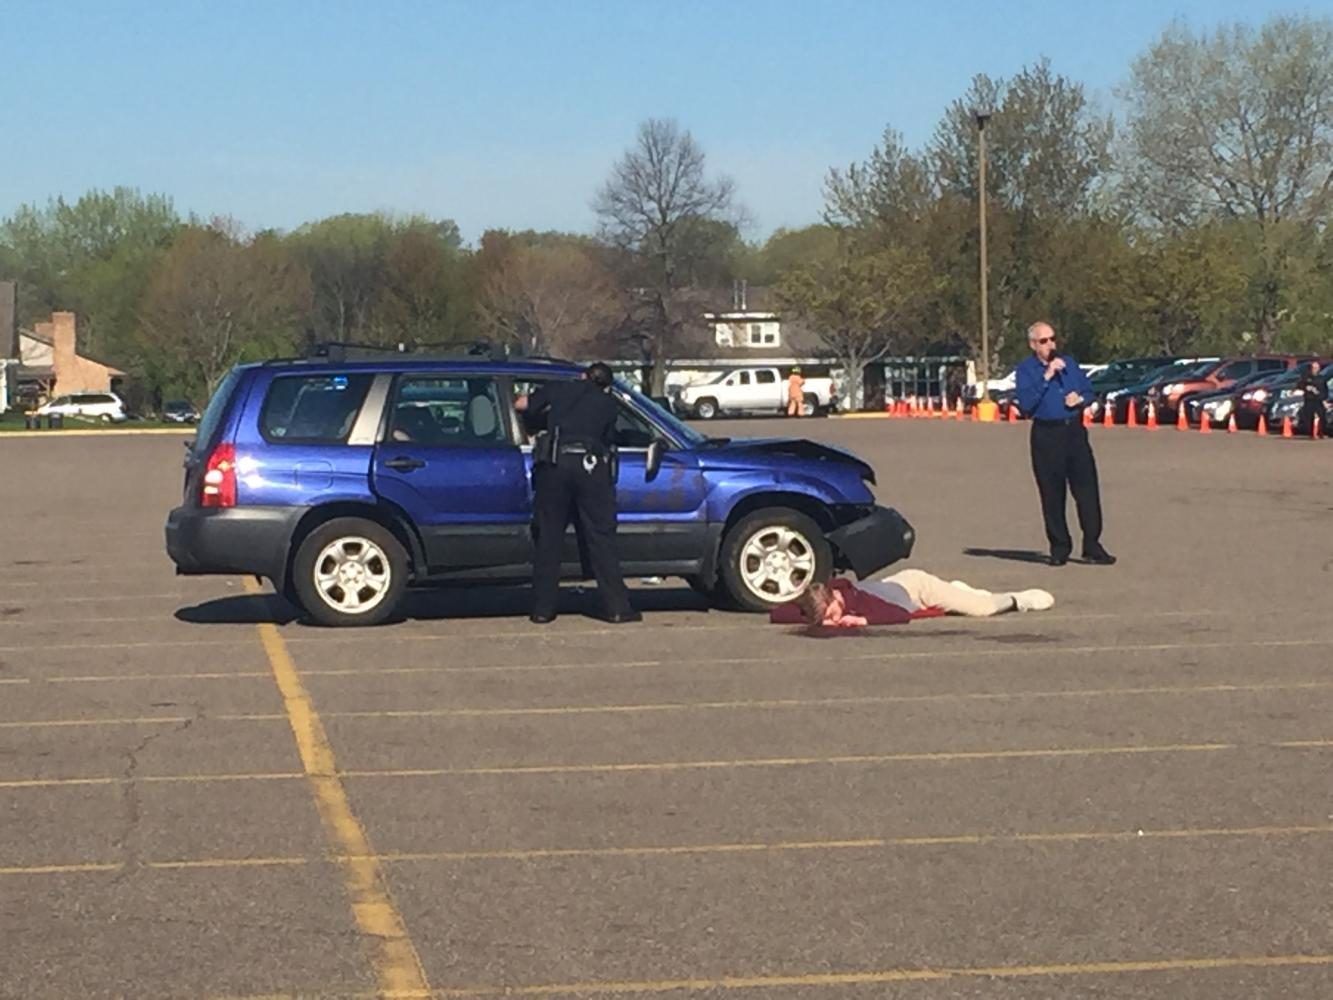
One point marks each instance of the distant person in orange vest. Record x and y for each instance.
(795, 393)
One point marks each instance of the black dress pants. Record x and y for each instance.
(1062, 458)
(569, 490)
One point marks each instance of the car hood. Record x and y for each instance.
(745, 452)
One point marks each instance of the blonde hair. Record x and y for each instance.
(814, 602)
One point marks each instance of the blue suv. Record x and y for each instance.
(346, 482)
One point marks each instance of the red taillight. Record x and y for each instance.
(219, 488)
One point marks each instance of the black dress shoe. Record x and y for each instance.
(624, 617)
(1058, 560)
(1099, 557)
(541, 618)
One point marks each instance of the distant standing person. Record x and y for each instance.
(1314, 396)
(1052, 391)
(795, 393)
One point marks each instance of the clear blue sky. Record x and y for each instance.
(508, 113)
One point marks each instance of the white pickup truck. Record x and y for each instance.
(753, 390)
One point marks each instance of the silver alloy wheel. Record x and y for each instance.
(777, 563)
(352, 574)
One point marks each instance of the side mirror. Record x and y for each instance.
(652, 462)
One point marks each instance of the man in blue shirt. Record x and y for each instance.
(1052, 391)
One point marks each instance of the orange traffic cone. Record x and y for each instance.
(1013, 412)
(1205, 424)
(1286, 427)
(1263, 426)
(1152, 416)
(1108, 415)
(958, 409)
(1132, 418)
(1087, 416)
(972, 413)
(1231, 424)
(1182, 424)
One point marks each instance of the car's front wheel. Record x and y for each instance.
(771, 556)
(706, 409)
(350, 571)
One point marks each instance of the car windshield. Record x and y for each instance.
(681, 430)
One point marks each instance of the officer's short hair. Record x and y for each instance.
(600, 375)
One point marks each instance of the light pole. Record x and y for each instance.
(986, 409)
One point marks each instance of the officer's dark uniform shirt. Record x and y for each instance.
(584, 412)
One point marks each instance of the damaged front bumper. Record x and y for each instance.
(878, 538)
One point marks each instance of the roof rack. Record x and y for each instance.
(348, 350)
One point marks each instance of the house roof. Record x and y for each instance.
(42, 338)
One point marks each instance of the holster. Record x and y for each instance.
(613, 460)
(546, 446)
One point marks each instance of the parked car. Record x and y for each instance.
(179, 411)
(1219, 405)
(104, 406)
(1167, 392)
(345, 483)
(1135, 393)
(1288, 401)
(753, 390)
(1253, 399)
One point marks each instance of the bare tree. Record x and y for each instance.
(549, 299)
(650, 207)
(1239, 125)
(217, 299)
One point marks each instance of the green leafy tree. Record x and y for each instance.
(1238, 125)
(860, 301)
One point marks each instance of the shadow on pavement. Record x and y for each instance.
(241, 609)
(442, 605)
(1013, 555)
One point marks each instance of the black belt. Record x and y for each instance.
(1058, 423)
(581, 449)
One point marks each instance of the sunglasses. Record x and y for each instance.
(1045, 340)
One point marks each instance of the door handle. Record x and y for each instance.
(404, 464)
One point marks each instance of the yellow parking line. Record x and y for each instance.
(688, 765)
(867, 978)
(784, 762)
(827, 979)
(676, 850)
(381, 638)
(779, 703)
(394, 958)
(884, 656)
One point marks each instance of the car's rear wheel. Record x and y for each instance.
(771, 556)
(349, 571)
(706, 409)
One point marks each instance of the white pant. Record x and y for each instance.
(923, 590)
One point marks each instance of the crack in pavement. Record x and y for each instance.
(123, 844)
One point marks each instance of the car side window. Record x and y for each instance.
(744, 378)
(1237, 369)
(632, 430)
(765, 377)
(312, 409)
(1272, 365)
(435, 411)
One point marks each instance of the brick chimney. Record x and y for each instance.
(9, 331)
(63, 343)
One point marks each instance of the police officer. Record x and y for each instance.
(572, 476)
(1052, 390)
(1314, 394)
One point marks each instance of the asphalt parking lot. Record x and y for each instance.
(1127, 796)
